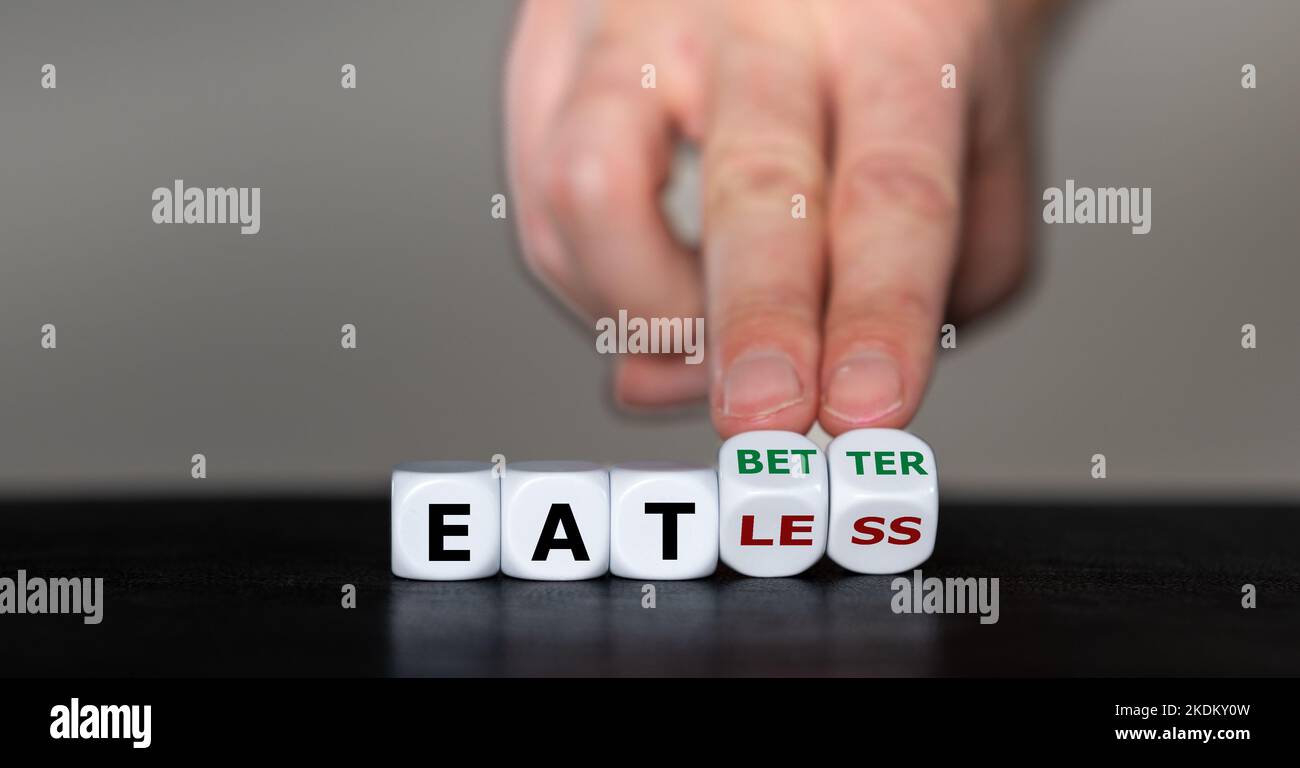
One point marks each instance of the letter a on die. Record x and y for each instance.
(554, 520)
(884, 500)
(446, 520)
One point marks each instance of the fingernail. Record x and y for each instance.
(758, 383)
(864, 388)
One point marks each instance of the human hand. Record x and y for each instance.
(915, 193)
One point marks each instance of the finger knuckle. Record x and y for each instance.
(586, 175)
(773, 314)
(746, 176)
(894, 319)
(900, 180)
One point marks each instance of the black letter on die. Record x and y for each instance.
(560, 513)
(670, 511)
(438, 529)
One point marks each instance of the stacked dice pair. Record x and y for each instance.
(774, 506)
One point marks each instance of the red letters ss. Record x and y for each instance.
(905, 534)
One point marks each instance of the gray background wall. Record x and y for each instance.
(176, 340)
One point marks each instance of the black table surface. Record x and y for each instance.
(253, 587)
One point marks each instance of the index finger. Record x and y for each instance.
(764, 265)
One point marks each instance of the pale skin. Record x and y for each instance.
(915, 196)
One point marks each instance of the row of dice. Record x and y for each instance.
(773, 507)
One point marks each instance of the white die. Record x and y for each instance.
(554, 520)
(772, 501)
(446, 520)
(884, 500)
(663, 520)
